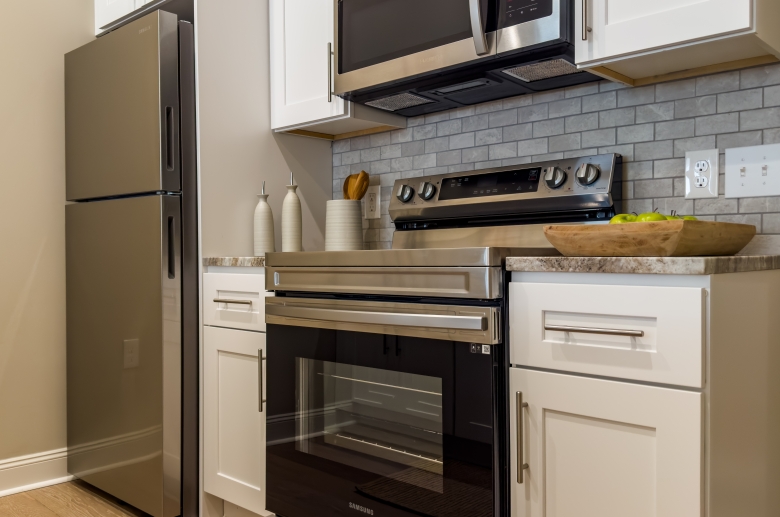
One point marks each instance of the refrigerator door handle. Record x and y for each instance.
(170, 145)
(171, 247)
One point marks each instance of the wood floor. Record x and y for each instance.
(74, 499)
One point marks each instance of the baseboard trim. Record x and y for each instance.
(33, 471)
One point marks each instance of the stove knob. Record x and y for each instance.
(587, 174)
(427, 190)
(405, 193)
(555, 177)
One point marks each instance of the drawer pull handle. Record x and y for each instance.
(521, 465)
(588, 330)
(239, 302)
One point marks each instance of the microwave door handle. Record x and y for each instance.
(477, 28)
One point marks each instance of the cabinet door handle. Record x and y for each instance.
(589, 330)
(585, 28)
(330, 72)
(521, 465)
(260, 398)
(237, 302)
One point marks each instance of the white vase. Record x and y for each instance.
(264, 226)
(291, 220)
(343, 225)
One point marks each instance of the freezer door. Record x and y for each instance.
(124, 349)
(122, 111)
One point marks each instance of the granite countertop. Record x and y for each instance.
(645, 265)
(234, 261)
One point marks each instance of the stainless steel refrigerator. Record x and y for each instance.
(132, 289)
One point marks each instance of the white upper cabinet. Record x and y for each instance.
(621, 27)
(302, 33)
(107, 11)
(628, 36)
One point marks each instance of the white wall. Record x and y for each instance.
(35, 36)
(238, 150)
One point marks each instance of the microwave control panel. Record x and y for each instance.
(515, 12)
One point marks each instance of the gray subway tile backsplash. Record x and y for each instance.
(652, 127)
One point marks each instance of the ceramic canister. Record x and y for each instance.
(264, 226)
(343, 225)
(291, 220)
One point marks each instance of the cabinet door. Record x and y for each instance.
(106, 11)
(300, 78)
(622, 27)
(233, 422)
(604, 448)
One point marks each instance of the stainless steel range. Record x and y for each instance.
(387, 369)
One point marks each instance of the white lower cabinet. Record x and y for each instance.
(233, 419)
(599, 448)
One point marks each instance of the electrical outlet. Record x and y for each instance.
(753, 171)
(131, 353)
(701, 174)
(372, 202)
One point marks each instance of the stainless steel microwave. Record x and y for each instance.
(413, 57)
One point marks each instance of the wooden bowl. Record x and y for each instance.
(676, 238)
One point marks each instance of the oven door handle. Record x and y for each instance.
(477, 28)
(435, 321)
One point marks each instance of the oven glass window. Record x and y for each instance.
(400, 426)
(380, 421)
(375, 31)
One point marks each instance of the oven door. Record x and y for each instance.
(381, 41)
(378, 423)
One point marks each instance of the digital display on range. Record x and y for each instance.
(493, 184)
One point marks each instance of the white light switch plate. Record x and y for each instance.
(372, 202)
(753, 171)
(702, 170)
(131, 353)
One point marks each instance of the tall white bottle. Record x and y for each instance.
(291, 220)
(264, 226)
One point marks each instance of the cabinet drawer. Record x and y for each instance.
(234, 300)
(653, 334)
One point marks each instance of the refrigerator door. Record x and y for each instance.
(122, 111)
(124, 349)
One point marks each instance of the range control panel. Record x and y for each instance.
(570, 182)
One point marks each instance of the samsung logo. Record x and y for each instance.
(429, 59)
(367, 511)
(147, 28)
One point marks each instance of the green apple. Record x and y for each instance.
(623, 218)
(690, 218)
(673, 217)
(650, 217)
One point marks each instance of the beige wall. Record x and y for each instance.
(238, 150)
(35, 36)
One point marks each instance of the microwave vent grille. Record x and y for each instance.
(399, 102)
(543, 70)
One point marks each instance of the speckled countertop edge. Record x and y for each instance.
(234, 261)
(645, 265)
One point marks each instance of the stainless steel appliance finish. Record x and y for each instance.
(124, 349)
(379, 356)
(451, 53)
(463, 51)
(132, 269)
(484, 283)
(570, 194)
(122, 106)
(450, 322)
